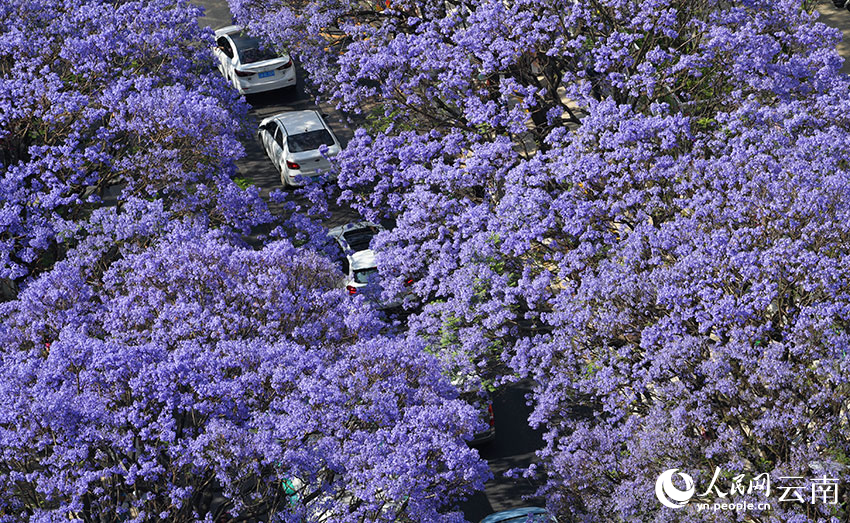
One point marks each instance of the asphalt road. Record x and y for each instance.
(255, 166)
(839, 19)
(515, 442)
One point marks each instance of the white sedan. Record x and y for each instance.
(293, 141)
(359, 264)
(249, 67)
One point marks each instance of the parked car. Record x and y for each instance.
(293, 141)
(359, 259)
(248, 66)
(521, 515)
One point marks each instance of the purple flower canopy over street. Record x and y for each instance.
(154, 368)
(191, 362)
(641, 204)
(98, 96)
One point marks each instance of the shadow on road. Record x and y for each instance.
(514, 447)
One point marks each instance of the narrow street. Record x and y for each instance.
(840, 19)
(516, 442)
(255, 166)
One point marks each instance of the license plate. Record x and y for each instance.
(266, 74)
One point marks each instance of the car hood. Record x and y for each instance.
(541, 514)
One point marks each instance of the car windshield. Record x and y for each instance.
(358, 239)
(309, 141)
(362, 276)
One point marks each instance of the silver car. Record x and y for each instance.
(293, 142)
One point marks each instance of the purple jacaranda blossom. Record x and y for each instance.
(103, 101)
(642, 205)
(190, 368)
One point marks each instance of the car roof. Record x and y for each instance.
(507, 515)
(296, 122)
(339, 233)
(363, 260)
(228, 30)
(362, 224)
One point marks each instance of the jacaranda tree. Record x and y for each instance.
(192, 379)
(154, 368)
(640, 204)
(101, 101)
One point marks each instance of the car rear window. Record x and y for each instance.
(364, 275)
(359, 239)
(254, 54)
(309, 141)
(250, 50)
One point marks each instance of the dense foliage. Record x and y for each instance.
(154, 368)
(642, 204)
(103, 101)
(191, 368)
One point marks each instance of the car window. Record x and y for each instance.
(278, 136)
(251, 51)
(345, 266)
(225, 46)
(362, 276)
(309, 141)
(249, 56)
(359, 239)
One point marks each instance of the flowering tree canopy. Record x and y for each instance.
(154, 368)
(640, 204)
(191, 368)
(103, 99)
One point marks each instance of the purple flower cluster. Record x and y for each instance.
(154, 368)
(192, 367)
(101, 102)
(641, 204)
